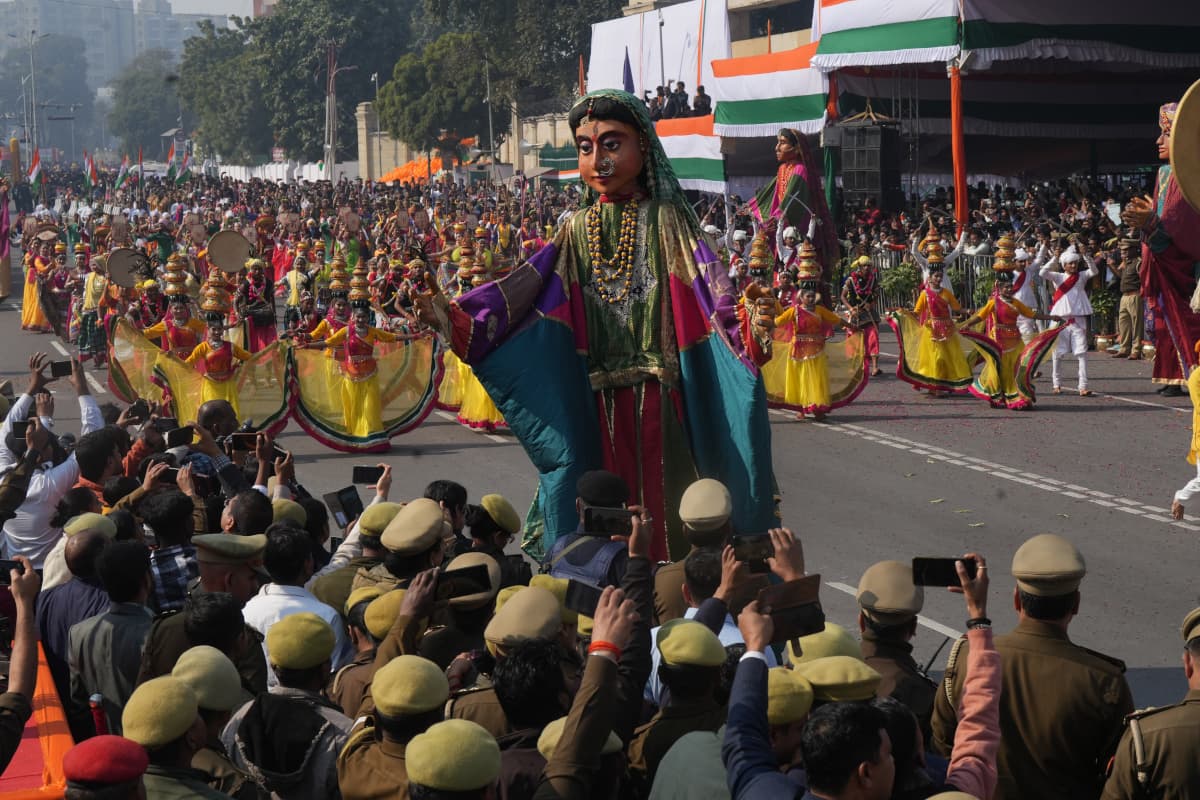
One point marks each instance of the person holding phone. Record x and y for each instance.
(1047, 678)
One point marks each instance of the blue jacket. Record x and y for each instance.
(750, 764)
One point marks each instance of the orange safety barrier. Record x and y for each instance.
(36, 772)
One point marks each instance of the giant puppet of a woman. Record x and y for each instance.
(620, 345)
(791, 199)
(1170, 229)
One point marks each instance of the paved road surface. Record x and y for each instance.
(898, 475)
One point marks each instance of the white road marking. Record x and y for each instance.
(1074, 491)
(933, 625)
(57, 345)
(446, 415)
(1145, 403)
(497, 439)
(453, 418)
(97, 387)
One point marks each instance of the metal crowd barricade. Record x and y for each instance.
(884, 260)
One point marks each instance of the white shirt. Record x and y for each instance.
(274, 602)
(1026, 293)
(18, 413)
(29, 533)
(729, 634)
(1075, 302)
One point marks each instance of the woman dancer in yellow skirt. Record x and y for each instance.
(808, 373)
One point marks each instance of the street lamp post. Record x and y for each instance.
(378, 137)
(487, 78)
(33, 132)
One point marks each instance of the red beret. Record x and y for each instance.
(105, 760)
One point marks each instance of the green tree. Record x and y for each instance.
(442, 87)
(289, 53)
(534, 47)
(145, 102)
(61, 92)
(220, 83)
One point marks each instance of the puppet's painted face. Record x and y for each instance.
(610, 156)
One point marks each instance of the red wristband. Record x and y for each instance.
(598, 646)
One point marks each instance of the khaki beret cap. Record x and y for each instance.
(381, 614)
(789, 696)
(559, 587)
(532, 613)
(887, 595)
(506, 594)
(159, 712)
(502, 513)
(90, 521)
(376, 517)
(685, 642)
(300, 641)
(453, 756)
(479, 599)
(1048, 566)
(409, 685)
(838, 679)
(705, 505)
(415, 528)
(212, 676)
(547, 743)
(1191, 625)
(228, 548)
(833, 641)
(360, 595)
(284, 509)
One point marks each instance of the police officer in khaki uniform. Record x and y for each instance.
(839, 679)
(333, 588)
(690, 668)
(414, 541)
(530, 613)
(468, 614)
(455, 758)
(163, 716)
(348, 684)
(228, 563)
(1159, 755)
(888, 603)
(1063, 706)
(704, 509)
(409, 693)
(215, 680)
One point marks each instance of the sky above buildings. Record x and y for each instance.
(239, 7)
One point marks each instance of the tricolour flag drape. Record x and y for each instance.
(760, 94)
(171, 162)
(185, 168)
(122, 173)
(694, 150)
(35, 171)
(90, 176)
(879, 32)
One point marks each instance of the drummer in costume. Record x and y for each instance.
(1009, 384)
(295, 283)
(799, 376)
(75, 286)
(215, 357)
(860, 294)
(933, 351)
(256, 304)
(151, 306)
(1070, 301)
(55, 296)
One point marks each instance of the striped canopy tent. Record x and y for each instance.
(1088, 73)
(761, 94)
